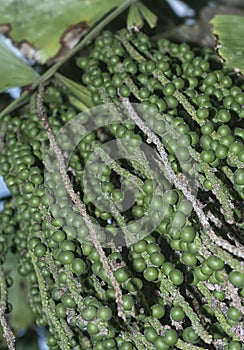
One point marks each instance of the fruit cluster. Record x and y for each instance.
(177, 284)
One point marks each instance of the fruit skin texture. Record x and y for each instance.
(190, 336)
(66, 257)
(239, 177)
(177, 313)
(104, 313)
(207, 156)
(150, 334)
(39, 250)
(234, 314)
(176, 277)
(121, 275)
(151, 274)
(234, 345)
(158, 311)
(188, 234)
(78, 266)
(157, 259)
(215, 263)
(170, 337)
(237, 279)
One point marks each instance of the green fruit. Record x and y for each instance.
(170, 197)
(124, 91)
(202, 113)
(169, 89)
(176, 276)
(127, 302)
(188, 234)
(189, 259)
(139, 264)
(150, 66)
(117, 195)
(68, 245)
(126, 346)
(215, 263)
(221, 151)
(59, 236)
(140, 246)
(190, 336)
(28, 187)
(234, 345)
(207, 156)
(156, 203)
(60, 310)
(237, 279)
(158, 311)
(68, 301)
(144, 93)
(239, 177)
(160, 344)
(66, 257)
(170, 337)
(205, 269)
(167, 267)
(39, 250)
(150, 334)
(220, 295)
(177, 314)
(92, 328)
(157, 258)
(134, 284)
(199, 274)
(151, 274)
(207, 128)
(234, 314)
(78, 266)
(121, 274)
(148, 186)
(51, 340)
(224, 115)
(104, 313)
(179, 220)
(89, 313)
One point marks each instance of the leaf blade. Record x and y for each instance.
(149, 16)
(53, 69)
(230, 40)
(134, 18)
(13, 71)
(81, 93)
(47, 29)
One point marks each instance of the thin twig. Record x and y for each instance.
(7, 332)
(76, 200)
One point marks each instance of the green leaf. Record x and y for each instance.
(85, 41)
(149, 16)
(18, 296)
(134, 18)
(82, 99)
(229, 31)
(13, 71)
(46, 30)
(137, 14)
